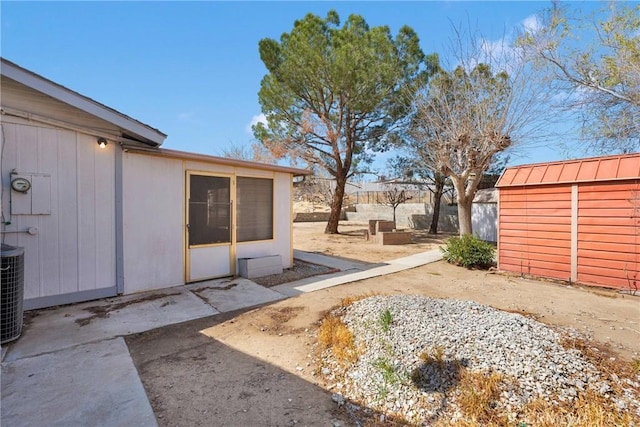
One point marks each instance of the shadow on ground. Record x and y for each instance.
(192, 379)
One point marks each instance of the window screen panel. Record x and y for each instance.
(209, 210)
(255, 209)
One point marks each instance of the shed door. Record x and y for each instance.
(209, 228)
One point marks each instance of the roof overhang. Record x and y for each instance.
(185, 155)
(131, 128)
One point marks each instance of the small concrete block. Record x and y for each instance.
(250, 268)
(394, 237)
(384, 226)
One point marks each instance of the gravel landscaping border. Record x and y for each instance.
(412, 351)
(299, 270)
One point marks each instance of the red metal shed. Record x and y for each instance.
(576, 220)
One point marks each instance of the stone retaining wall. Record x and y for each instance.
(408, 215)
(316, 216)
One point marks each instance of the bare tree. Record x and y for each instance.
(393, 197)
(319, 190)
(419, 172)
(600, 75)
(468, 114)
(254, 152)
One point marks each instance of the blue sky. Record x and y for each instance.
(192, 69)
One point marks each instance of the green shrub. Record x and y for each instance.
(469, 251)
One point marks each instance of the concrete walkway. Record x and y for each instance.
(351, 271)
(71, 366)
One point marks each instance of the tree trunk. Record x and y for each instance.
(336, 206)
(439, 182)
(464, 214)
(466, 192)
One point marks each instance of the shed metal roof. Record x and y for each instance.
(593, 169)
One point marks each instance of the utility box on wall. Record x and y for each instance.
(36, 199)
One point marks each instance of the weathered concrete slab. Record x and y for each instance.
(330, 261)
(389, 267)
(298, 287)
(89, 385)
(55, 329)
(417, 260)
(233, 294)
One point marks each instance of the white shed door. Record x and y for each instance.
(209, 228)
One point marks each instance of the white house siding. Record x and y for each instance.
(154, 218)
(153, 222)
(72, 256)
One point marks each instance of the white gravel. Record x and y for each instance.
(393, 376)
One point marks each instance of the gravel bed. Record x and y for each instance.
(299, 270)
(408, 365)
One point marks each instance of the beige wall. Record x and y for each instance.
(153, 223)
(154, 218)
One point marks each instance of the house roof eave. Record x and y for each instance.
(185, 155)
(142, 132)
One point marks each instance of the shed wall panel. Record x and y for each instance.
(603, 220)
(609, 234)
(535, 230)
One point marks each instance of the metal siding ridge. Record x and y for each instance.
(567, 175)
(574, 232)
(119, 219)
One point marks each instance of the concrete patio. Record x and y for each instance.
(71, 365)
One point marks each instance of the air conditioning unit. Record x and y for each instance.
(12, 292)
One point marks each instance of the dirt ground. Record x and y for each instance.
(351, 243)
(257, 367)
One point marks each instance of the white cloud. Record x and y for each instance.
(259, 118)
(495, 49)
(531, 24)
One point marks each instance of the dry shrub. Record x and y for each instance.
(348, 300)
(436, 356)
(334, 335)
(478, 394)
(590, 409)
(601, 356)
